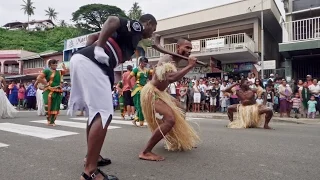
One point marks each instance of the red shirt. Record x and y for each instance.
(126, 86)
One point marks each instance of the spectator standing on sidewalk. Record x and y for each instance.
(296, 104)
(312, 107)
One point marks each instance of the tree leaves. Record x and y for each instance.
(37, 41)
(91, 17)
(135, 12)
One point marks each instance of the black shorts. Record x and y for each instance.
(128, 100)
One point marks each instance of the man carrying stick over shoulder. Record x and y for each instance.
(164, 116)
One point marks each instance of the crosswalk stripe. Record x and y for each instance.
(85, 118)
(112, 122)
(3, 145)
(71, 124)
(44, 133)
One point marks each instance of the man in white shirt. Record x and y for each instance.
(172, 90)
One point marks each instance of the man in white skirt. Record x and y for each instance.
(92, 78)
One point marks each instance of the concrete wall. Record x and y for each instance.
(216, 13)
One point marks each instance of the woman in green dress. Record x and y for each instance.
(52, 93)
(142, 74)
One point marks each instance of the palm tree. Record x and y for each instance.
(51, 13)
(63, 23)
(135, 12)
(28, 8)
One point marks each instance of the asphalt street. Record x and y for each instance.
(31, 150)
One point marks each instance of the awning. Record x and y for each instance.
(20, 77)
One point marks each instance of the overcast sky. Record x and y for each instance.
(10, 10)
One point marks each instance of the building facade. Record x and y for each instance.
(33, 25)
(34, 65)
(10, 63)
(230, 33)
(301, 40)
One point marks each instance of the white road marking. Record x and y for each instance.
(3, 145)
(71, 124)
(112, 122)
(44, 133)
(85, 118)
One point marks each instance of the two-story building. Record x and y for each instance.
(301, 39)
(10, 61)
(230, 33)
(34, 65)
(34, 25)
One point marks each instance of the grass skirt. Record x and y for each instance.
(182, 136)
(247, 117)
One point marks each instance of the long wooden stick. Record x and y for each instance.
(156, 45)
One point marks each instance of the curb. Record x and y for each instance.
(275, 119)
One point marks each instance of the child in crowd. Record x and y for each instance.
(115, 98)
(259, 100)
(269, 97)
(296, 104)
(312, 107)
(276, 104)
(224, 102)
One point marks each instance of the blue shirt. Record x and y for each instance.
(31, 90)
(312, 106)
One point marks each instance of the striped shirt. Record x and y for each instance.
(296, 103)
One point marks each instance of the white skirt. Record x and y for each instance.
(6, 108)
(213, 101)
(91, 89)
(196, 97)
(40, 104)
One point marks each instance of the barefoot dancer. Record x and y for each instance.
(141, 74)
(52, 93)
(249, 113)
(92, 78)
(162, 112)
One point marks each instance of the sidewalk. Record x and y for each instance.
(275, 118)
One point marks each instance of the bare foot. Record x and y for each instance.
(149, 156)
(134, 122)
(267, 127)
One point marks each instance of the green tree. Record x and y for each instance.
(51, 13)
(135, 12)
(91, 17)
(28, 8)
(63, 23)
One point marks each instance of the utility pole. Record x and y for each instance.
(262, 41)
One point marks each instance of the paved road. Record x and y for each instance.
(31, 150)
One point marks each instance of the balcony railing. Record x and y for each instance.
(215, 44)
(299, 30)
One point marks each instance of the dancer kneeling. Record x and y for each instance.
(249, 113)
(162, 112)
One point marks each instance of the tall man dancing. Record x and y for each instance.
(248, 112)
(164, 116)
(141, 74)
(92, 78)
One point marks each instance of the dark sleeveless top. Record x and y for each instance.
(120, 47)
